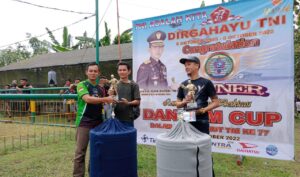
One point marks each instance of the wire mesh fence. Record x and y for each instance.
(21, 108)
(53, 122)
(23, 126)
(24, 136)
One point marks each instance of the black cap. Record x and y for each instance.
(190, 58)
(157, 38)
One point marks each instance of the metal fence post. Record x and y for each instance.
(33, 111)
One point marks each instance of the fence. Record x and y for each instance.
(39, 112)
(24, 136)
(33, 120)
(28, 120)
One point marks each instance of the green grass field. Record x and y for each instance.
(55, 159)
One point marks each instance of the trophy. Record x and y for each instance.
(113, 85)
(114, 92)
(191, 92)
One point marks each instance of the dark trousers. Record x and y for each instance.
(127, 123)
(203, 126)
(82, 141)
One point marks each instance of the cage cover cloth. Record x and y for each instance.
(183, 152)
(113, 150)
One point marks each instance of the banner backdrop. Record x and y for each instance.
(246, 49)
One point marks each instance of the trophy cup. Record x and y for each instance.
(113, 85)
(191, 91)
(189, 113)
(113, 90)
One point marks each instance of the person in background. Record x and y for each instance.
(7, 102)
(24, 85)
(67, 84)
(75, 85)
(52, 82)
(14, 84)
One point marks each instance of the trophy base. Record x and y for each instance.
(192, 107)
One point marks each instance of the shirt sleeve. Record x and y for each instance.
(136, 92)
(81, 90)
(211, 89)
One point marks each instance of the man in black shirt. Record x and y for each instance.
(24, 85)
(204, 90)
(20, 88)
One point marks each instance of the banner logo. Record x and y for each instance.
(271, 150)
(220, 15)
(219, 66)
(248, 145)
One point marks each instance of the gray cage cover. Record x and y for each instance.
(183, 152)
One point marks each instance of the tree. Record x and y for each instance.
(66, 38)
(56, 45)
(125, 37)
(202, 4)
(106, 40)
(11, 55)
(39, 47)
(85, 42)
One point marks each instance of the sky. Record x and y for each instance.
(19, 20)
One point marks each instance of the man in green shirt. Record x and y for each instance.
(128, 94)
(89, 114)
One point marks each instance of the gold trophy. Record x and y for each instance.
(113, 85)
(113, 92)
(191, 92)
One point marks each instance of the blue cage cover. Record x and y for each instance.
(113, 150)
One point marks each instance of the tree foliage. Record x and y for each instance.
(125, 37)
(11, 55)
(106, 40)
(38, 47)
(202, 4)
(56, 46)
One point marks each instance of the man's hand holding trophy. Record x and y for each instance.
(190, 96)
(191, 109)
(112, 91)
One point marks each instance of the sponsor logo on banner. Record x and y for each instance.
(248, 145)
(271, 150)
(219, 66)
(248, 148)
(222, 145)
(147, 139)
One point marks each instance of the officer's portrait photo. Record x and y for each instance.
(152, 73)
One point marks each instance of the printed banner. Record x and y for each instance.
(246, 49)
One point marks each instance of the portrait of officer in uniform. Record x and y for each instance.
(152, 73)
